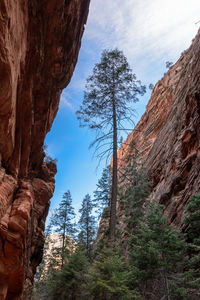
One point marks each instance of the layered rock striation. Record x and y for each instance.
(167, 137)
(39, 45)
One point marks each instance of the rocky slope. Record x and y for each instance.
(168, 134)
(39, 45)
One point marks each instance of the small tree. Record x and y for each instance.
(87, 225)
(109, 92)
(67, 283)
(102, 194)
(192, 223)
(192, 219)
(151, 86)
(62, 223)
(134, 189)
(169, 64)
(134, 199)
(108, 277)
(157, 255)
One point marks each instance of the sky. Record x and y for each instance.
(149, 32)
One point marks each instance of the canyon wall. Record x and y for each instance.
(39, 45)
(168, 135)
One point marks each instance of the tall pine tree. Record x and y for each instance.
(62, 222)
(87, 225)
(110, 90)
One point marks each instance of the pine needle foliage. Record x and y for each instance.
(66, 284)
(157, 257)
(102, 194)
(87, 225)
(62, 222)
(106, 108)
(108, 277)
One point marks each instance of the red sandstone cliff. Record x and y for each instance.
(39, 45)
(168, 134)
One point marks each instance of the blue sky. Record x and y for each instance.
(149, 32)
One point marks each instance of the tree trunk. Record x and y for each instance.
(87, 239)
(167, 287)
(62, 252)
(113, 203)
(63, 243)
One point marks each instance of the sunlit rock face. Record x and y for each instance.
(39, 45)
(168, 135)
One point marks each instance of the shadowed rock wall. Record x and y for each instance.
(39, 45)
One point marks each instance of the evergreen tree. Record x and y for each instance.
(135, 197)
(62, 222)
(87, 225)
(102, 194)
(192, 224)
(192, 220)
(108, 277)
(169, 64)
(156, 257)
(106, 105)
(151, 86)
(134, 189)
(66, 284)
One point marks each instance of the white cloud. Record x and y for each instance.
(64, 103)
(150, 32)
(142, 27)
